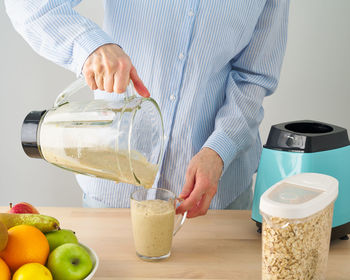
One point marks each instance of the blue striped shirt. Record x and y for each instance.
(209, 64)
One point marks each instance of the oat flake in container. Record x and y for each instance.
(297, 221)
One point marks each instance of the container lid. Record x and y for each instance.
(299, 196)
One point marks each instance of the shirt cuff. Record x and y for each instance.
(86, 44)
(223, 145)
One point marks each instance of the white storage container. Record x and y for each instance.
(297, 221)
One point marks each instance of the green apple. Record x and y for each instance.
(69, 262)
(60, 237)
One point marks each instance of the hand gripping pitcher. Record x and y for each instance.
(119, 139)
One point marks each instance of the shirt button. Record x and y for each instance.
(191, 13)
(181, 56)
(172, 97)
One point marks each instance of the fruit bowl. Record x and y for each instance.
(94, 259)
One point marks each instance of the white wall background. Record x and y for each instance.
(315, 84)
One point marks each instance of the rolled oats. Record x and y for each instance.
(296, 248)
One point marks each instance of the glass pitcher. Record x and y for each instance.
(119, 139)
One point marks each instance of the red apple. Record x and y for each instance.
(23, 208)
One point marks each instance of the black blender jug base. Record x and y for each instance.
(306, 136)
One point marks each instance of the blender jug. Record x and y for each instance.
(119, 139)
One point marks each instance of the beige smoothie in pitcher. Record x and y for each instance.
(153, 226)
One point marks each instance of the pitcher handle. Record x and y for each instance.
(180, 220)
(69, 91)
(130, 91)
(74, 87)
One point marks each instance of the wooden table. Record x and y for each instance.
(223, 244)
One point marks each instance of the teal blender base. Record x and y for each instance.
(316, 147)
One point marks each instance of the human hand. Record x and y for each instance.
(109, 68)
(202, 178)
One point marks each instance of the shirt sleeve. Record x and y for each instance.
(56, 31)
(254, 75)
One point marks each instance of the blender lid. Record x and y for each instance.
(29, 133)
(299, 196)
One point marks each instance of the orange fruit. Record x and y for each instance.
(4, 271)
(26, 244)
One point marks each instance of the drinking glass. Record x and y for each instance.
(153, 222)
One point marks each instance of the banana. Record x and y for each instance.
(42, 222)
